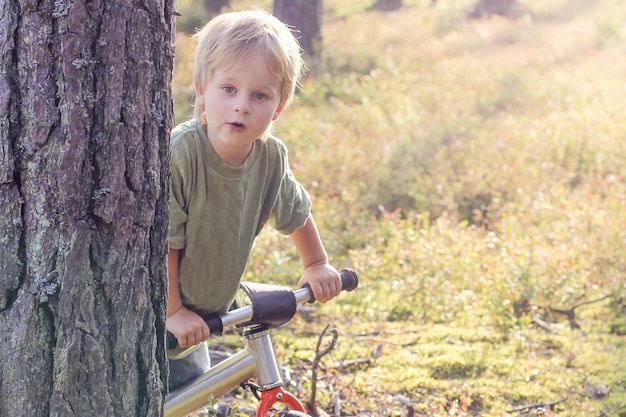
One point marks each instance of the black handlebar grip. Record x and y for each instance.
(170, 341)
(349, 279)
(349, 282)
(214, 321)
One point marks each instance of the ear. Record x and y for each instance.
(199, 92)
(198, 102)
(279, 111)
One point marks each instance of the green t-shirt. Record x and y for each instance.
(217, 211)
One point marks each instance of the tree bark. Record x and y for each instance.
(305, 17)
(85, 114)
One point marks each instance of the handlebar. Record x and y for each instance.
(270, 306)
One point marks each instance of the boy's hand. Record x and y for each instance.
(324, 281)
(188, 327)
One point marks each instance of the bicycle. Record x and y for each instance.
(266, 307)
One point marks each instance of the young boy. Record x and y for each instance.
(230, 177)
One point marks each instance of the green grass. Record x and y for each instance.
(501, 144)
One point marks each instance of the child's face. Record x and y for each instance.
(240, 102)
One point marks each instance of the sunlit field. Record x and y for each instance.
(473, 173)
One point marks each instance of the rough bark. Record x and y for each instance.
(305, 17)
(85, 110)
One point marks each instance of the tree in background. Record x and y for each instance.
(506, 8)
(305, 17)
(85, 114)
(215, 7)
(386, 5)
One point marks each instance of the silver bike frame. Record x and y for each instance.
(257, 360)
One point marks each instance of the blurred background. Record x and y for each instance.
(467, 157)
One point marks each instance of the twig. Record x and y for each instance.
(342, 366)
(549, 327)
(570, 312)
(526, 408)
(318, 355)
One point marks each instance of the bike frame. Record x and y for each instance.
(267, 309)
(257, 360)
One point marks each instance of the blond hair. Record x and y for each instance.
(236, 37)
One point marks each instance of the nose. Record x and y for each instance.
(242, 105)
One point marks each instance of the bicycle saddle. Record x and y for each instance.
(272, 305)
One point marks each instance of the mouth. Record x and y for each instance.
(237, 125)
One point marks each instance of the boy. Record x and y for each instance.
(230, 177)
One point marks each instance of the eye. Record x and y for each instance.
(260, 96)
(228, 89)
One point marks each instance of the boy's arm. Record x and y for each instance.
(318, 273)
(187, 326)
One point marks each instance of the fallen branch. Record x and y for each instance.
(526, 408)
(547, 326)
(570, 312)
(319, 354)
(342, 366)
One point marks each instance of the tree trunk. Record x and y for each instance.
(305, 17)
(506, 8)
(386, 5)
(85, 111)
(215, 7)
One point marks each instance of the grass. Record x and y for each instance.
(473, 173)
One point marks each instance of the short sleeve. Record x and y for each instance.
(293, 204)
